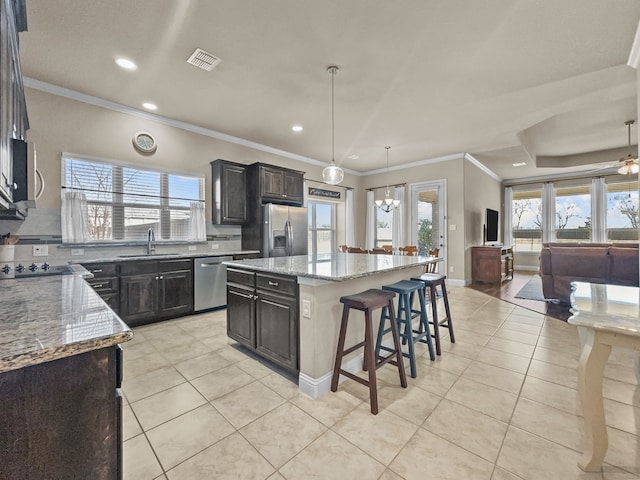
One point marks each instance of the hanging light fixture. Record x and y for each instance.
(630, 162)
(388, 203)
(333, 174)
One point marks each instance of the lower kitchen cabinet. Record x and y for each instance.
(62, 419)
(262, 314)
(153, 290)
(106, 283)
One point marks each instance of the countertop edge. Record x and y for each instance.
(161, 256)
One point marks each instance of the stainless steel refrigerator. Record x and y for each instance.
(285, 230)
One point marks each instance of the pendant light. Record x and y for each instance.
(333, 174)
(388, 203)
(630, 162)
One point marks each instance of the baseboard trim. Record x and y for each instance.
(317, 387)
(528, 268)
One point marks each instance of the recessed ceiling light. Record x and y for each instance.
(519, 164)
(126, 64)
(353, 157)
(150, 106)
(297, 128)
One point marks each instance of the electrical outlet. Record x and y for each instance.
(450, 269)
(192, 248)
(40, 250)
(215, 246)
(77, 251)
(306, 308)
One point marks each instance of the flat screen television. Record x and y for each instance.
(491, 226)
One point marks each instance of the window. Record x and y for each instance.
(526, 210)
(123, 202)
(573, 213)
(622, 212)
(322, 227)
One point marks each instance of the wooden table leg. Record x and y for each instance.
(590, 372)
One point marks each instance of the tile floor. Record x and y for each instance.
(501, 403)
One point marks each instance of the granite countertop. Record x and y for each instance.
(338, 267)
(51, 317)
(162, 256)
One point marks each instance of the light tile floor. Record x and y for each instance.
(501, 403)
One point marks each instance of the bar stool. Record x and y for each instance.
(431, 281)
(366, 302)
(405, 290)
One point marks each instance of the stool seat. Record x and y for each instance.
(366, 302)
(403, 286)
(372, 298)
(431, 281)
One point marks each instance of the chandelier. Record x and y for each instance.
(333, 174)
(629, 163)
(388, 203)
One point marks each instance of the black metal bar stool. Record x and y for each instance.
(366, 302)
(431, 281)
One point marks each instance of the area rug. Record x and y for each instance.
(532, 290)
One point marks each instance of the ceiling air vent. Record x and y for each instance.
(204, 60)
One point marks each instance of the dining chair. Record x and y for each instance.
(343, 248)
(356, 250)
(432, 267)
(380, 251)
(410, 250)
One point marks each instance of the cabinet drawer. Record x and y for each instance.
(138, 267)
(241, 276)
(174, 265)
(277, 283)
(104, 284)
(102, 269)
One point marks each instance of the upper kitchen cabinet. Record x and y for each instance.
(13, 111)
(229, 184)
(276, 184)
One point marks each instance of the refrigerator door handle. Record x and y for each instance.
(289, 237)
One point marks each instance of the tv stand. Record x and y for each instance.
(491, 264)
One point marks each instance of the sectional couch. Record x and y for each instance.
(562, 263)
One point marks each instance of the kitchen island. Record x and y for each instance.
(59, 377)
(321, 280)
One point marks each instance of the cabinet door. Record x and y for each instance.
(293, 186)
(138, 298)
(277, 329)
(176, 293)
(241, 315)
(233, 199)
(271, 182)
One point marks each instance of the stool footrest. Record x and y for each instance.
(354, 377)
(352, 349)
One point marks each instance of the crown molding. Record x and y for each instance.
(418, 163)
(486, 170)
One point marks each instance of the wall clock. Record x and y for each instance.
(144, 142)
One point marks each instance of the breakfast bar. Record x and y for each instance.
(321, 280)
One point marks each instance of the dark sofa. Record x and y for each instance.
(563, 263)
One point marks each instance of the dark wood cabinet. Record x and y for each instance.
(63, 418)
(491, 264)
(228, 183)
(106, 283)
(279, 185)
(152, 290)
(262, 314)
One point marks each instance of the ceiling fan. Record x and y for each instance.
(628, 164)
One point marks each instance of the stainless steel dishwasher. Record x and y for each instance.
(209, 283)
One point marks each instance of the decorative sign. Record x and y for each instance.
(319, 192)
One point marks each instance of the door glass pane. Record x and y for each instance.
(622, 212)
(573, 213)
(384, 227)
(526, 220)
(428, 232)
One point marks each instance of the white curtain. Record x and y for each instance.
(370, 238)
(397, 232)
(507, 234)
(548, 213)
(75, 217)
(197, 223)
(598, 210)
(349, 219)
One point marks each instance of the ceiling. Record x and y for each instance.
(504, 80)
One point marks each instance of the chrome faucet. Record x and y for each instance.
(151, 238)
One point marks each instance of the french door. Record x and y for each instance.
(428, 211)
